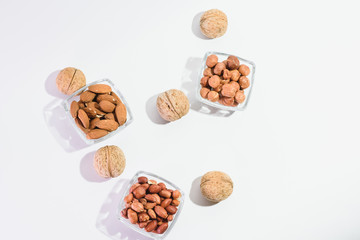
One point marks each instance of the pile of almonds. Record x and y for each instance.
(99, 111)
(225, 81)
(151, 205)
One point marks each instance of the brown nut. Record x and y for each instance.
(143, 201)
(235, 85)
(213, 23)
(216, 186)
(208, 72)
(154, 188)
(204, 92)
(133, 217)
(219, 67)
(175, 202)
(152, 181)
(217, 89)
(166, 202)
(240, 96)
(124, 213)
(244, 70)
(87, 96)
(143, 217)
(172, 105)
(213, 96)
(110, 116)
(107, 106)
(118, 100)
(139, 192)
(108, 125)
(84, 118)
(151, 226)
(137, 207)
(233, 63)
(244, 82)
(235, 75)
(226, 74)
(161, 212)
(165, 193)
(158, 200)
(176, 194)
(109, 161)
(162, 228)
(214, 81)
(204, 81)
(69, 80)
(96, 133)
(227, 101)
(106, 97)
(121, 113)
(74, 108)
(93, 122)
(129, 198)
(150, 205)
(143, 224)
(170, 218)
(100, 88)
(142, 180)
(145, 186)
(150, 197)
(171, 209)
(228, 90)
(133, 187)
(211, 60)
(162, 185)
(152, 214)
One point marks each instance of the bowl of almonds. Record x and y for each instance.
(225, 81)
(98, 111)
(150, 205)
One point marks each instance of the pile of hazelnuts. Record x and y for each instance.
(151, 205)
(224, 82)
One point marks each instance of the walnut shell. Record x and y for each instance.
(109, 161)
(69, 80)
(213, 23)
(172, 105)
(216, 186)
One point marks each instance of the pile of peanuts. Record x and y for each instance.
(151, 205)
(225, 81)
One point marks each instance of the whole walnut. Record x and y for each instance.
(172, 105)
(216, 186)
(69, 80)
(213, 23)
(109, 161)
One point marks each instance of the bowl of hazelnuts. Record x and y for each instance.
(225, 81)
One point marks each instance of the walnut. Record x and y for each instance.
(69, 80)
(213, 23)
(172, 105)
(109, 161)
(216, 186)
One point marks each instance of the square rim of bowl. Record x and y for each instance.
(240, 107)
(67, 102)
(135, 227)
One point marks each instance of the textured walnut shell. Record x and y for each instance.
(216, 186)
(172, 105)
(213, 23)
(69, 80)
(109, 161)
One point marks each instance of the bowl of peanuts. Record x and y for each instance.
(225, 81)
(150, 205)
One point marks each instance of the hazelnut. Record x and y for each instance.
(216, 186)
(228, 90)
(109, 161)
(214, 81)
(235, 85)
(232, 63)
(226, 74)
(69, 80)
(213, 23)
(219, 67)
(244, 82)
(244, 70)
(211, 60)
(204, 92)
(204, 81)
(208, 72)
(213, 96)
(227, 101)
(235, 75)
(172, 105)
(218, 88)
(240, 96)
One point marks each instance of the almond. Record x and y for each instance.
(161, 212)
(107, 106)
(87, 96)
(84, 118)
(74, 107)
(93, 122)
(110, 116)
(90, 112)
(106, 97)
(109, 125)
(100, 88)
(79, 124)
(118, 100)
(120, 113)
(96, 133)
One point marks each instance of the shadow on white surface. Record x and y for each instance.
(50, 85)
(87, 169)
(107, 221)
(152, 112)
(190, 81)
(61, 128)
(196, 196)
(196, 26)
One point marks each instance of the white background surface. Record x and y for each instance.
(293, 154)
